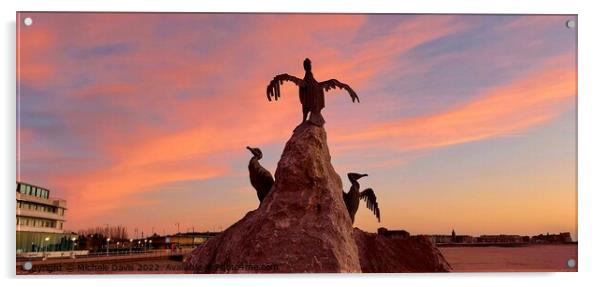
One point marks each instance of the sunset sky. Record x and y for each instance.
(466, 122)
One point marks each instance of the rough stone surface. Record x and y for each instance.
(380, 254)
(301, 226)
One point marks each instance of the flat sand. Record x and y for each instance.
(533, 258)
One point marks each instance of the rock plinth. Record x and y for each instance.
(380, 254)
(302, 225)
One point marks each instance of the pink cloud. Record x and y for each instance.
(529, 101)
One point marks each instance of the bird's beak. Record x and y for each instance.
(249, 148)
(365, 174)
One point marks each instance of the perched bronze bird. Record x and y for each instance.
(352, 198)
(261, 178)
(311, 92)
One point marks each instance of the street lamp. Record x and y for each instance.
(45, 247)
(73, 246)
(108, 242)
(145, 245)
(131, 243)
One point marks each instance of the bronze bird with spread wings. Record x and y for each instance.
(311, 92)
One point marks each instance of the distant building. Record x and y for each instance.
(464, 239)
(501, 238)
(189, 239)
(450, 239)
(461, 238)
(393, 233)
(563, 237)
(40, 220)
(440, 238)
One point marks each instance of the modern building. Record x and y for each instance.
(40, 220)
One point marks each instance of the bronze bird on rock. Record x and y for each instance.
(311, 92)
(261, 178)
(352, 198)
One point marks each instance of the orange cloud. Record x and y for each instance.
(534, 99)
(228, 109)
(218, 124)
(33, 65)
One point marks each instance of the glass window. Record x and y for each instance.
(27, 189)
(22, 188)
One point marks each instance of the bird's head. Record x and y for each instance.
(355, 176)
(307, 65)
(255, 151)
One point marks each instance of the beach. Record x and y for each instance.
(531, 258)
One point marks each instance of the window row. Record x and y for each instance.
(40, 207)
(32, 190)
(36, 222)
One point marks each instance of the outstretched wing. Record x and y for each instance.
(334, 83)
(274, 86)
(370, 198)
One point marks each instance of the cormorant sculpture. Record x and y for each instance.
(352, 198)
(311, 92)
(261, 178)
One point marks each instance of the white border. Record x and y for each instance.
(590, 141)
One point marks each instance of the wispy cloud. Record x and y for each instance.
(536, 98)
(175, 98)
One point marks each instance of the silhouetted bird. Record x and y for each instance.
(261, 178)
(311, 92)
(352, 198)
